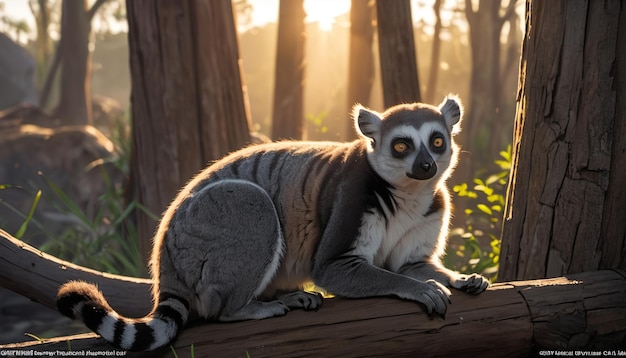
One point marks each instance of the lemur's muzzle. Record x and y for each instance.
(424, 166)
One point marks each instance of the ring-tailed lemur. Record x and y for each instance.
(361, 219)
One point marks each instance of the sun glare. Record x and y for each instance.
(324, 12)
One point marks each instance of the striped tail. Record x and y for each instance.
(78, 299)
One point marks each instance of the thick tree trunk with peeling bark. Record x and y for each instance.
(566, 204)
(187, 97)
(580, 311)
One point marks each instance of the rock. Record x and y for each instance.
(17, 74)
(72, 157)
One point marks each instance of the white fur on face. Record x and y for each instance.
(394, 170)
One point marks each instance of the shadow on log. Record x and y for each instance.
(581, 311)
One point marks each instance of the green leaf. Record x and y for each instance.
(496, 177)
(147, 211)
(478, 181)
(22, 230)
(485, 209)
(503, 165)
(459, 188)
(495, 198)
(68, 202)
(506, 154)
(485, 189)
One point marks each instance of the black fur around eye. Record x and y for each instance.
(438, 143)
(400, 147)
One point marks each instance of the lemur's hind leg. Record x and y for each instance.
(240, 237)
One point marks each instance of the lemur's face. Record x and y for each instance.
(411, 143)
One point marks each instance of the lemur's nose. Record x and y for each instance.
(424, 166)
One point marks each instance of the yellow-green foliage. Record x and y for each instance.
(479, 250)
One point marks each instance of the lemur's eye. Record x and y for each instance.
(437, 143)
(400, 147)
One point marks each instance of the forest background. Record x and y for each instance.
(447, 63)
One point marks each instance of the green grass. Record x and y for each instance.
(105, 240)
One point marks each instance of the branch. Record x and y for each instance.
(469, 13)
(94, 8)
(37, 275)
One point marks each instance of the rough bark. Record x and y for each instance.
(566, 204)
(581, 311)
(397, 52)
(361, 57)
(288, 112)
(187, 98)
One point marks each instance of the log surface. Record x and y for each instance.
(37, 275)
(581, 311)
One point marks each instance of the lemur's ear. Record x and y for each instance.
(452, 111)
(367, 123)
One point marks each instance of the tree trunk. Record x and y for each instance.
(433, 74)
(288, 116)
(187, 98)
(43, 49)
(75, 92)
(566, 203)
(503, 127)
(397, 52)
(361, 57)
(484, 92)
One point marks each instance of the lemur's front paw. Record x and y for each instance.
(473, 283)
(435, 297)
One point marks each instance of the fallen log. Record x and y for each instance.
(582, 311)
(37, 275)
